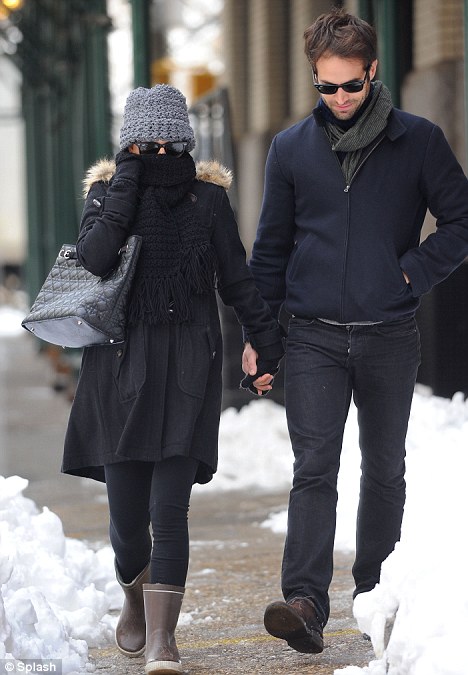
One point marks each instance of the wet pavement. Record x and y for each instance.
(235, 563)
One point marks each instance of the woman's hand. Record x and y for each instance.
(249, 365)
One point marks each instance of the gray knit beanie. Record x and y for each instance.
(157, 113)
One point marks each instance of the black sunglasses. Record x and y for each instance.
(351, 87)
(174, 148)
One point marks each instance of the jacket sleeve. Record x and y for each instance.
(446, 190)
(108, 215)
(236, 286)
(275, 234)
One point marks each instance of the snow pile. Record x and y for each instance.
(55, 592)
(424, 585)
(254, 449)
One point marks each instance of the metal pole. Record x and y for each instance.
(98, 116)
(67, 127)
(386, 23)
(384, 15)
(34, 262)
(140, 33)
(365, 10)
(465, 35)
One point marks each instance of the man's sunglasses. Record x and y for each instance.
(351, 87)
(174, 148)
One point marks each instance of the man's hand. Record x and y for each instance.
(249, 366)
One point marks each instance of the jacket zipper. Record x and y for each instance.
(346, 189)
(363, 162)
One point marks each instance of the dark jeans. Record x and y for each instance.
(325, 365)
(156, 492)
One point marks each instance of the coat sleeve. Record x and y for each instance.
(236, 285)
(108, 215)
(446, 190)
(275, 234)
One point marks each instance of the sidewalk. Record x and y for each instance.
(235, 563)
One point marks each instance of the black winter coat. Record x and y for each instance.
(159, 394)
(337, 251)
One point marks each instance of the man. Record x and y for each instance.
(346, 193)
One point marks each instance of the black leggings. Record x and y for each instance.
(141, 493)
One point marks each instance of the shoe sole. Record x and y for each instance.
(131, 655)
(163, 667)
(283, 622)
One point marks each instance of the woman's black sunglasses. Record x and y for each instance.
(174, 148)
(351, 87)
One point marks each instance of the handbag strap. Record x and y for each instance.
(69, 251)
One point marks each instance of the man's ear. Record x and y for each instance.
(373, 69)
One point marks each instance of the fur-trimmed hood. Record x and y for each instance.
(209, 171)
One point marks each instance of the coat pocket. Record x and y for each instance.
(197, 350)
(129, 364)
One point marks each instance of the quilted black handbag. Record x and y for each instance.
(75, 308)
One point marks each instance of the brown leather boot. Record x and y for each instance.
(296, 622)
(162, 609)
(130, 633)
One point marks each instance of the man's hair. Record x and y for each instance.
(340, 34)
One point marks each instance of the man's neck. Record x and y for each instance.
(330, 118)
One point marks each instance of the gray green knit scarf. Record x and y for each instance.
(366, 129)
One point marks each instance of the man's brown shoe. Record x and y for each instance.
(296, 622)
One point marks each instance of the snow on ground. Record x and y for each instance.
(57, 593)
(424, 584)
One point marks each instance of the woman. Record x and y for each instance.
(145, 417)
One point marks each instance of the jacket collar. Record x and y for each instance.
(395, 127)
(209, 171)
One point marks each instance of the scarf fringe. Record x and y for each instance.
(168, 299)
(200, 268)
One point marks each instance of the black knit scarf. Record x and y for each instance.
(176, 258)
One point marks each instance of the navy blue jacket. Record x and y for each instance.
(336, 251)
